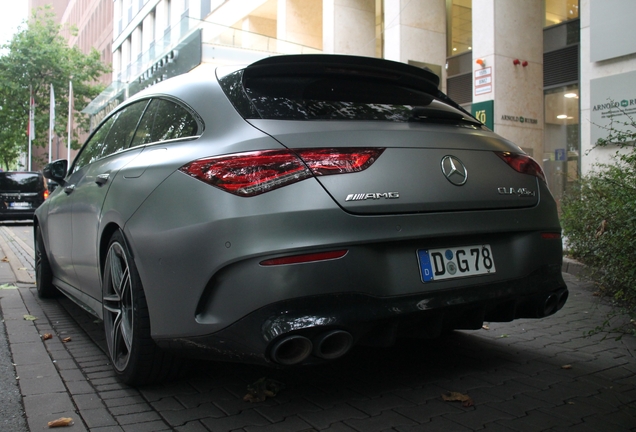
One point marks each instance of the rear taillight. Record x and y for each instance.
(305, 258)
(45, 194)
(551, 235)
(522, 163)
(254, 173)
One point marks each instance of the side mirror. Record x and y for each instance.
(56, 171)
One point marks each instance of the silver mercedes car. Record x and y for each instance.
(282, 212)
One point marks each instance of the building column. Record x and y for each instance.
(415, 32)
(508, 38)
(300, 22)
(349, 27)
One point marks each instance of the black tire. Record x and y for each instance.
(134, 355)
(43, 272)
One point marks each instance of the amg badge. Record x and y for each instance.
(372, 195)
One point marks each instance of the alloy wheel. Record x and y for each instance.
(118, 306)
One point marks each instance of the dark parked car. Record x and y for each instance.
(21, 192)
(282, 212)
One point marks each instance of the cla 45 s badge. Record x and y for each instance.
(520, 192)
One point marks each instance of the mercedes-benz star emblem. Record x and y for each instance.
(454, 170)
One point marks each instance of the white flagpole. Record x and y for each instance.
(51, 122)
(31, 124)
(70, 119)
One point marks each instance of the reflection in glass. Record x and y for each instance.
(561, 135)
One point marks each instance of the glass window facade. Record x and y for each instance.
(561, 138)
(460, 26)
(558, 11)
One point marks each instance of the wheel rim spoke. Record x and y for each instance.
(118, 306)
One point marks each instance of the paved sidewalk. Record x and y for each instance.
(528, 375)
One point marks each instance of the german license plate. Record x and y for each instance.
(20, 205)
(449, 263)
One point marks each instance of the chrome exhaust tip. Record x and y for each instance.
(550, 305)
(291, 350)
(563, 297)
(333, 344)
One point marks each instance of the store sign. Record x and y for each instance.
(519, 119)
(483, 81)
(612, 104)
(484, 112)
(179, 60)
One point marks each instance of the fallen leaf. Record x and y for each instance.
(66, 339)
(30, 318)
(504, 336)
(47, 336)
(62, 421)
(5, 259)
(8, 286)
(466, 400)
(22, 268)
(262, 389)
(566, 366)
(485, 327)
(596, 294)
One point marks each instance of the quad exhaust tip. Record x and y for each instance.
(295, 349)
(332, 345)
(291, 350)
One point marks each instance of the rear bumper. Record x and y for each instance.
(370, 320)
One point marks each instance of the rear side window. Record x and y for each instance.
(165, 120)
(113, 135)
(21, 182)
(335, 97)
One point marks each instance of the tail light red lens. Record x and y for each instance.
(306, 258)
(254, 173)
(523, 163)
(339, 161)
(45, 194)
(551, 236)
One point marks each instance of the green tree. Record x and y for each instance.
(36, 57)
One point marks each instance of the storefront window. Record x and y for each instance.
(460, 26)
(558, 11)
(561, 145)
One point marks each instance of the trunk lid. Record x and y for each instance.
(415, 172)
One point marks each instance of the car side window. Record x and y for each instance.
(165, 120)
(113, 135)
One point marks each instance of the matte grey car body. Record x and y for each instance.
(283, 212)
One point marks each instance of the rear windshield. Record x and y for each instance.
(320, 97)
(21, 182)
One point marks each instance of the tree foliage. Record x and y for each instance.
(599, 220)
(36, 57)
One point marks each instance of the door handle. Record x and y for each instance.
(102, 179)
(69, 189)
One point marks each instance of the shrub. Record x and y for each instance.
(599, 222)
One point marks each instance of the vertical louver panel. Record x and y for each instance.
(460, 88)
(561, 66)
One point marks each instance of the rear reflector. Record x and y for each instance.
(522, 163)
(551, 236)
(306, 258)
(254, 173)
